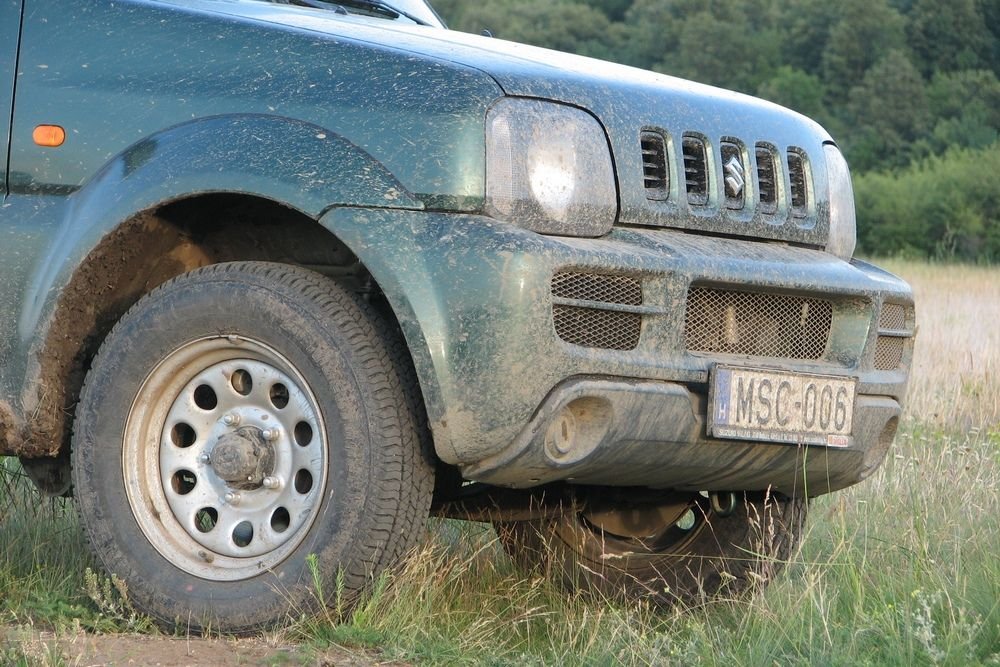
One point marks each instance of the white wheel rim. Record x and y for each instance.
(195, 399)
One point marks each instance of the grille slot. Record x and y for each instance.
(888, 352)
(624, 290)
(590, 327)
(797, 181)
(696, 171)
(655, 173)
(767, 179)
(892, 317)
(734, 172)
(756, 324)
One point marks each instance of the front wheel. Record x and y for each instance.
(683, 548)
(239, 420)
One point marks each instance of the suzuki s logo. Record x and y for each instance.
(735, 177)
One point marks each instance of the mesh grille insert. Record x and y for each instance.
(696, 171)
(797, 180)
(888, 352)
(764, 325)
(655, 177)
(589, 327)
(624, 290)
(892, 317)
(767, 179)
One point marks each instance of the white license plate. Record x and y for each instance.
(775, 406)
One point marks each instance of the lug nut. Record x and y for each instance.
(271, 434)
(205, 458)
(271, 482)
(233, 498)
(232, 419)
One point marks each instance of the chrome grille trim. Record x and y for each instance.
(779, 326)
(734, 174)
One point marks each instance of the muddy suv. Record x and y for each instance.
(281, 279)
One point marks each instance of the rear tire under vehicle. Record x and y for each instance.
(238, 421)
(684, 550)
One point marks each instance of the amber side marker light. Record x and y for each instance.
(49, 135)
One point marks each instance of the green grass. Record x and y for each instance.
(902, 569)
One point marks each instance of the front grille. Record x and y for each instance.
(892, 317)
(767, 179)
(797, 181)
(590, 327)
(696, 171)
(888, 352)
(655, 174)
(756, 324)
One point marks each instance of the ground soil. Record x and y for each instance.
(87, 650)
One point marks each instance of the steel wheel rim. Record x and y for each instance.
(220, 391)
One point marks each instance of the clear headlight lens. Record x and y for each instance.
(548, 169)
(843, 224)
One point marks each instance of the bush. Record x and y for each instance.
(943, 207)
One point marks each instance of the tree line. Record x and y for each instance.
(910, 89)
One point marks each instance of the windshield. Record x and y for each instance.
(417, 11)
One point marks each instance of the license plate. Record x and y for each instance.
(775, 406)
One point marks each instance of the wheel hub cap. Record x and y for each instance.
(243, 458)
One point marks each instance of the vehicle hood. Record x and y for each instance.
(626, 100)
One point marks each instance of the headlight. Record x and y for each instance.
(843, 225)
(548, 168)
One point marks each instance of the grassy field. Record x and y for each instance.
(902, 569)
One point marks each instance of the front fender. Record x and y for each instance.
(298, 164)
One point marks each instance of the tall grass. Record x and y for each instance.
(903, 569)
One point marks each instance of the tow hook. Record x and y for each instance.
(723, 503)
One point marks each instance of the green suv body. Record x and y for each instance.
(611, 311)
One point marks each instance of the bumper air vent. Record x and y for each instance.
(892, 317)
(655, 174)
(734, 172)
(761, 325)
(623, 290)
(592, 310)
(797, 179)
(696, 171)
(893, 334)
(888, 353)
(767, 179)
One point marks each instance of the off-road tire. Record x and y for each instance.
(377, 475)
(723, 556)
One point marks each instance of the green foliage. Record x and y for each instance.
(943, 206)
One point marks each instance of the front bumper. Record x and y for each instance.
(474, 299)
